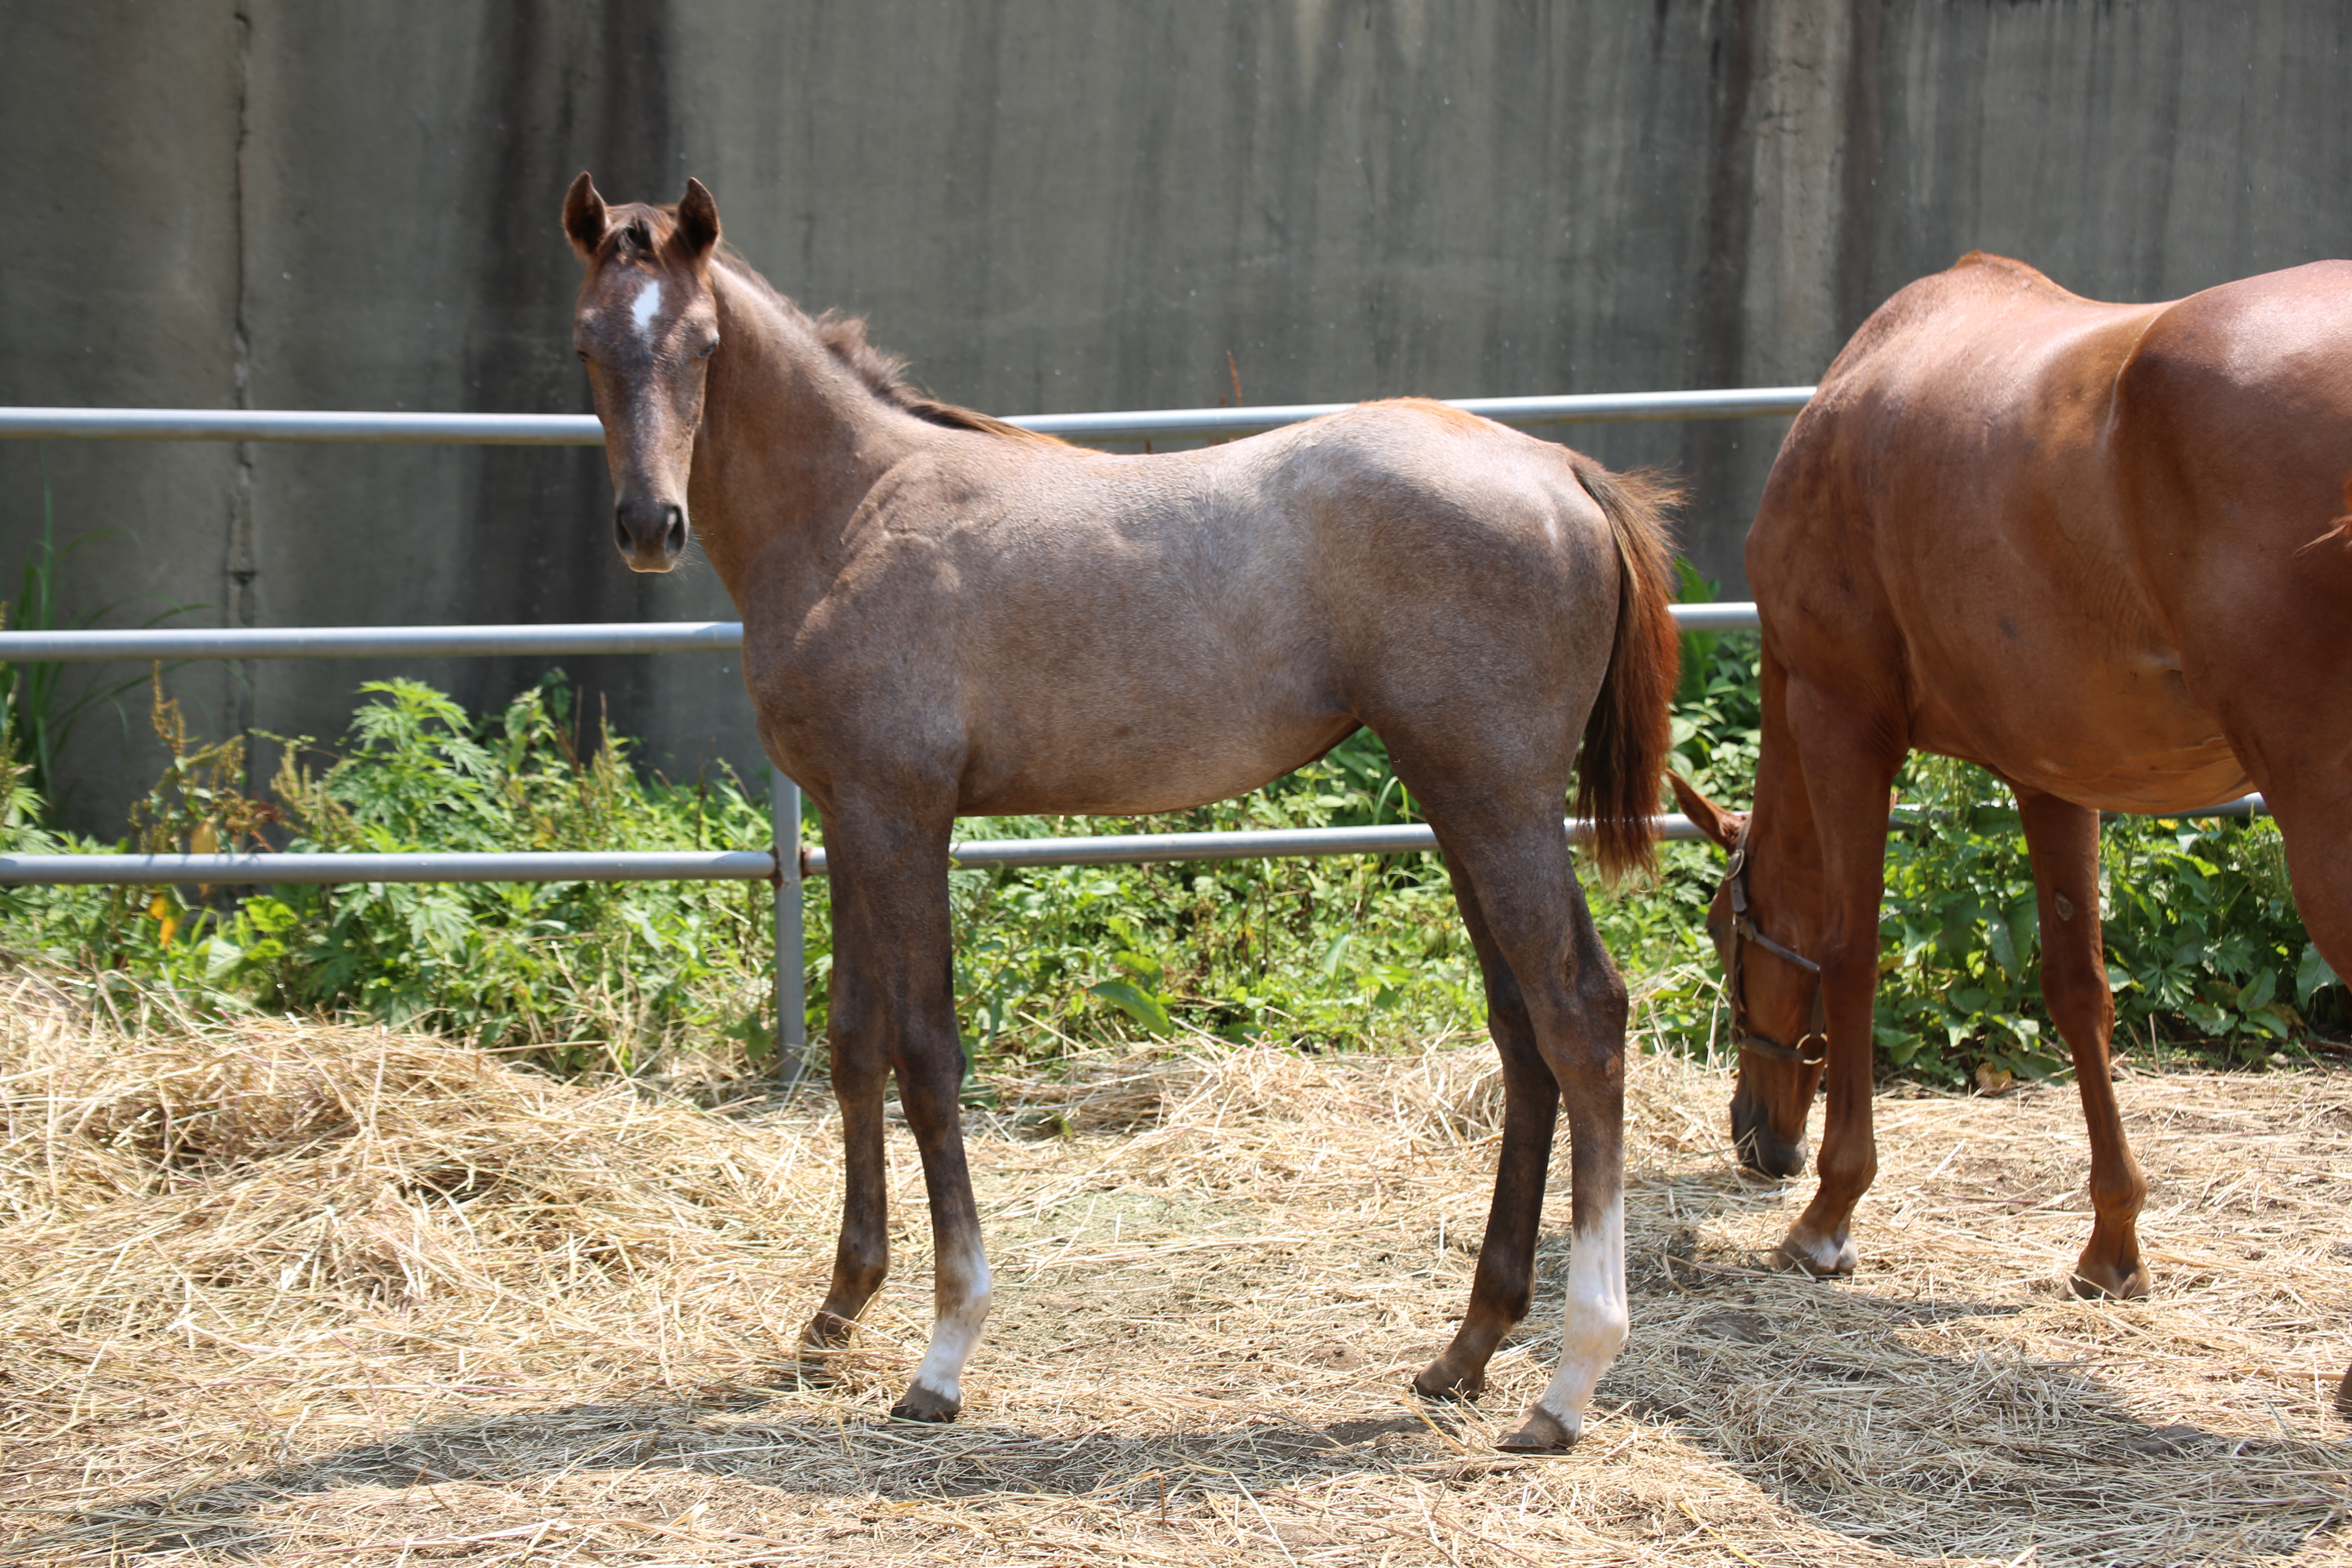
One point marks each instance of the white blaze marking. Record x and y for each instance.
(643, 311)
(956, 1332)
(1595, 1325)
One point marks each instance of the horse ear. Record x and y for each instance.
(583, 215)
(1723, 826)
(697, 221)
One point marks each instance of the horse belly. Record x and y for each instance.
(1136, 763)
(2113, 735)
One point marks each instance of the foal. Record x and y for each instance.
(945, 615)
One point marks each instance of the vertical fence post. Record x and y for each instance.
(791, 960)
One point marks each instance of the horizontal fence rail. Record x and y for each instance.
(371, 642)
(468, 642)
(582, 430)
(735, 864)
(270, 869)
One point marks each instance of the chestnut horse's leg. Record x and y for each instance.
(1519, 867)
(2062, 839)
(860, 1072)
(1849, 762)
(898, 942)
(1504, 1285)
(2297, 760)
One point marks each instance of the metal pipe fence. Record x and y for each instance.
(583, 430)
(789, 862)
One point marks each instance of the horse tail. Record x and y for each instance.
(1628, 735)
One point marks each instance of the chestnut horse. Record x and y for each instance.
(946, 615)
(2101, 550)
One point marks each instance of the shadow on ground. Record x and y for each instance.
(1971, 1455)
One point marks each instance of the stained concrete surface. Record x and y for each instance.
(1051, 205)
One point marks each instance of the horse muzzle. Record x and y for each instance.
(1760, 1149)
(651, 535)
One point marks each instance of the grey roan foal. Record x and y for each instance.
(944, 615)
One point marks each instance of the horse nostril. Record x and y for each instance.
(621, 532)
(674, 536)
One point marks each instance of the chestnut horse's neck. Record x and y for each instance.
(791, 437)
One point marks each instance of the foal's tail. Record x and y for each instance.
(1627, 736)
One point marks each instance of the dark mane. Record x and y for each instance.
(883, 373)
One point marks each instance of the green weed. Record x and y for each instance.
(1349, 953)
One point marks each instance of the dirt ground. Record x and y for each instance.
(297, 1295)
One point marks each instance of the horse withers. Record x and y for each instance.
(946, 615)
(2100, 549)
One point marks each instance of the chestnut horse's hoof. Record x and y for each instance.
(1822, 1257)
(1543, 1433)
(2104, 1281)
(2344, 1395)
(1439, 1381)
(926, 1405)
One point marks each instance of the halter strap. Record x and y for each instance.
(1813, 1047)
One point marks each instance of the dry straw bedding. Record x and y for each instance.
(304, 1295)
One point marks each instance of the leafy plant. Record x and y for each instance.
(2204, 946)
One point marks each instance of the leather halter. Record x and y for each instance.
(1813, 1047)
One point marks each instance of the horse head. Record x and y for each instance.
(645, 326)
(1773, 993)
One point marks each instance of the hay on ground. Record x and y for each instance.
(295, 1294)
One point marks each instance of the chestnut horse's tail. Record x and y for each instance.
(1627, 737)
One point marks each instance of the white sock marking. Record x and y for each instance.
(956, 1332)
(1594, 1328)
(647, 306)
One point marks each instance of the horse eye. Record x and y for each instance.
(709, 348)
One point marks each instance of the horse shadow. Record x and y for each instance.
(1822, 1397)
(743, 1435)
(1889, 1419)
(764, 1438)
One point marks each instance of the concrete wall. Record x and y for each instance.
(1051, 205)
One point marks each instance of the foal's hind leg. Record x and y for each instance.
(1504, 1284)
(2063, 841)
(1517, 862)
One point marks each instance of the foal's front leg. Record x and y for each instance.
(860, 1072)
(901, 940)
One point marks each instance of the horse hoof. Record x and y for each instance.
(2344, 1395)
(1543, 1433)
(1820, 1256)
(810, 1372)
(1438, 1381)
(925, 1404)
(2104, 1282)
